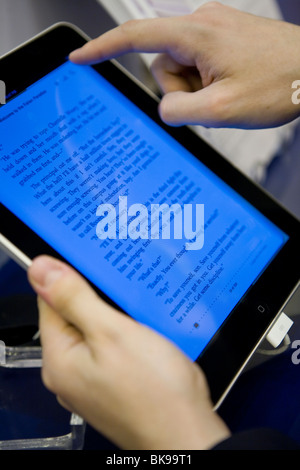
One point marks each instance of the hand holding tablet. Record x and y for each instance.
(105, 351)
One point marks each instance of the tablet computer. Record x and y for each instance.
(160, 224)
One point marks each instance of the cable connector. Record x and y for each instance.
(279, 330)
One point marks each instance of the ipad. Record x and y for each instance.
(161, 226)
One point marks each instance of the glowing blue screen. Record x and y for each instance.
(72, 142)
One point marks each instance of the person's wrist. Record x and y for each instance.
(195, 430)
(211, 430)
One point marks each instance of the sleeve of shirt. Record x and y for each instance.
(258, 439)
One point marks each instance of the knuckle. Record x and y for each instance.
(211, 6)
(48, 379)
(53, 366)
(166, 110)
(128, 30)
(111, 338)
(214, 4)
(64, 292)
(209, 14)
(129, 25)
(55, 370)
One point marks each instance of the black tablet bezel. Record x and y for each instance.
(247, 324)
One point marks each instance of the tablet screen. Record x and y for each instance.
(129, 207)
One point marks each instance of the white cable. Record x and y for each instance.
(276, 351)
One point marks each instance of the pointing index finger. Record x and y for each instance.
(150, 35)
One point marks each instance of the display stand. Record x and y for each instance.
(19, 405)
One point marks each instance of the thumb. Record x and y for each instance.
(209, 107)
(70, 296)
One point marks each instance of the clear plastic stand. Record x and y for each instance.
(14, 359)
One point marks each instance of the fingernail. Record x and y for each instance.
(45, 271)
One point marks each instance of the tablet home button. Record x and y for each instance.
(262, 308)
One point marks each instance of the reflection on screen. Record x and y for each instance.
(72, 142)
